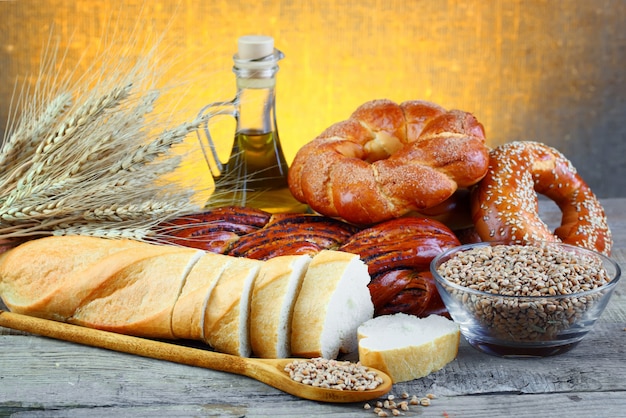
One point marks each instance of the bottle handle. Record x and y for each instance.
(206, 113)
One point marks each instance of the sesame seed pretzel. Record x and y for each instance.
(505, 205)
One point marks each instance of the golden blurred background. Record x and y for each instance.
(550, 71)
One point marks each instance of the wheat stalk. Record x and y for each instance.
(147, 153)
(114, 230)
(102, 149)
(84, 158)
(80, 119)
(24, 141)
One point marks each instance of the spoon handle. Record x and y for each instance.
(124, 343)
(268, 371)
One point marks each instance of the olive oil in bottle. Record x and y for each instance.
(255, 174)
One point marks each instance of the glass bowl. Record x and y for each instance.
(524, 300)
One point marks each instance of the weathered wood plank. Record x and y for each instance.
(582, 405)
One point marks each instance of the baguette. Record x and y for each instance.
(407, 347)
(273, 300)
(288, 305)
(139, 299)
(51, 277)
(188, 313)
(226, 317)
(333, 301)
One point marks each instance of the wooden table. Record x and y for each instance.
(43, 377)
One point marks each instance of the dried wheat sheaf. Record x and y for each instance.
(87, 154)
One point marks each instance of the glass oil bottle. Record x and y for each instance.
(255, 174)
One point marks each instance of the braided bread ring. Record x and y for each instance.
(387, 160)
(505, 206)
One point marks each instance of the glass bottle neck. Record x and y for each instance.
(256, 98)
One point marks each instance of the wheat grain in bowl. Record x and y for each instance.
(524, 300)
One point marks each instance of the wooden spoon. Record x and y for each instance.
(268, 371)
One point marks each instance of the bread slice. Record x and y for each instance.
(188, 314)
(139, 298)
(333, 301)
(226, 326)
(271, 308)
(54, 285)
(407, 347)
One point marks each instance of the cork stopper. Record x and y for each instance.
(254, 47)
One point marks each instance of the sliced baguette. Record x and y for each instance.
(139, 299)
(271, 308)
(188, 313)
(333, 301)
(226, 319)
(407, 347)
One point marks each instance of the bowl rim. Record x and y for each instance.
(440, 280)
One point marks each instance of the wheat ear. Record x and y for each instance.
(90, 156)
